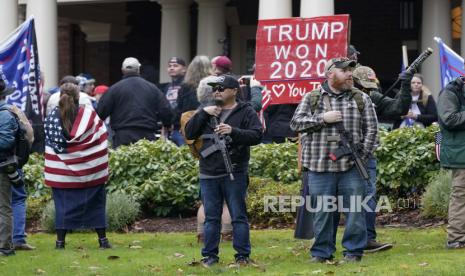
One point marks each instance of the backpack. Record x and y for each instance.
(194, 145)
(22, 148)
(356, 94)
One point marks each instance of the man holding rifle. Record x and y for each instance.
(227, 129)
(336, 110)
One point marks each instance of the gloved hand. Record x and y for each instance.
(332, 117)
(407, 75)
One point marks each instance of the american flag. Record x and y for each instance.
(80, 161)
(438, 145)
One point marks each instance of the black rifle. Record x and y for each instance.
(348, 148)
(219, 143)
(413, 67)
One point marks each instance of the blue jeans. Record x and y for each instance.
(213, 192)
(177, 138)
(18, 204)
(371, 192)
(345, 184)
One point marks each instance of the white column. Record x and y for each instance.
(175, 35)
(436, 22)
(314, 8)
(271, 9)
(45, 17)
(9, 10)
(211, 27)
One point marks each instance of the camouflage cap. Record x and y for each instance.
(340, 62)
(366, 77)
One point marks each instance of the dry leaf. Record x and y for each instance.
(193, 263)
(94, 267)
(273, 246)
(316, 271)
(135, 247)
(424, 264)
(40, 271)
(178, 255)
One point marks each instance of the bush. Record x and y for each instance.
(406, 160)
(435, 200)
(258, 189)
(34, 176)
(35, 207)
(121, 211)
(47, 220)
(160, 176)
(275, 161)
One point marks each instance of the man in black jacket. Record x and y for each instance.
(238, 124)
(134, 106)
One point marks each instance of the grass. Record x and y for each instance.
(276, 252)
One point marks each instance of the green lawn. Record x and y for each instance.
(276, 252)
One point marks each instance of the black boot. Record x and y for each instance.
(104, 243)
(60, 245)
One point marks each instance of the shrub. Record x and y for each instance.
(275, 161)
(121, 211)
(435, 200)
(34, 176)
(160, 176)
(35, 207)
(47, 220)
(406, 160)
(258, 189)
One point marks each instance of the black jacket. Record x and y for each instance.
(187, 101)
(246, 132)
(278, 119)
(134, 103)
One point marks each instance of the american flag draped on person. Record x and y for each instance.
(77, 159)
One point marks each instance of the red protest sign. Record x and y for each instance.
(292, 53)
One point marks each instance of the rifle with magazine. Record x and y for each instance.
(220, 143)
(348, 148)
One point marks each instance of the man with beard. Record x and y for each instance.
(238, 124)
(338, 103)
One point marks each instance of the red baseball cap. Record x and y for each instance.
(101, 89)
(223, 62)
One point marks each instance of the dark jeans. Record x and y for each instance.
(18, 203)
(371, 192)
(345, 184)
(213, 192)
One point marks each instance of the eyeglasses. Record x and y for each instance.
(219, 88)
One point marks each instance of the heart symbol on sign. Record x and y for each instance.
(278, 89)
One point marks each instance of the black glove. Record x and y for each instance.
(407, 75)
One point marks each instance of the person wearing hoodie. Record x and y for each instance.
(238, 124)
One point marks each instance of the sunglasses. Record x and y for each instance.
(219, 88)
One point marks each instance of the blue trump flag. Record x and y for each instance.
(19, 68)
(451, 63)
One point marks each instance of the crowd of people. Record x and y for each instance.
(206, 104)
